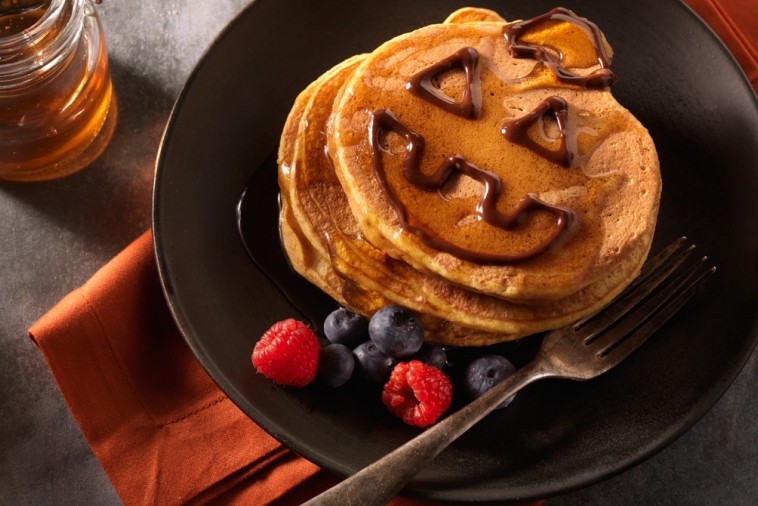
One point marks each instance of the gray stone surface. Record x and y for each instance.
(54, 236)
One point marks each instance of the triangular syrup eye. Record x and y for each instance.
(422, 84)
(516, 130)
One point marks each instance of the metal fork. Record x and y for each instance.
(581, 351)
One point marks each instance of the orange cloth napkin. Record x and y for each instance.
(162, 430)
(164, 433)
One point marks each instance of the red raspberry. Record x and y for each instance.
(417, 393)
(287, 353)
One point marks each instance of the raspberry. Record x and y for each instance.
(287, 353)
(417, 393)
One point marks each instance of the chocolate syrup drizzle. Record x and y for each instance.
(600, 78)
(422, 84)
(383, 121)
(516, 130)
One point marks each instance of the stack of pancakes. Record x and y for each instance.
(475, 171)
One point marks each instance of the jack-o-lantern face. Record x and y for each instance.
(489, 145)
(490, 193)
(426, 85)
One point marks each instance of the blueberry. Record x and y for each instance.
(344, 326)
(335, 365)
(432, 354)
(373, 363)
(396, 331)
(486, 372)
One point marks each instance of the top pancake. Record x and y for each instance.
(608, 191)
(325, 245)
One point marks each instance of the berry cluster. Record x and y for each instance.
(387, 350)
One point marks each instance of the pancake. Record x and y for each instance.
(319, 210)
(560, 220)
(327, 242)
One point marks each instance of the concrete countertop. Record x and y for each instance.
(55, 235)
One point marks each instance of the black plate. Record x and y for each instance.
(673, 74)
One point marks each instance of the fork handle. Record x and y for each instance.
(377, 483)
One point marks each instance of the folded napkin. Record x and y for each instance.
(163, 431)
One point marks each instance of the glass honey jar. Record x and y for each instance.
(57, 108)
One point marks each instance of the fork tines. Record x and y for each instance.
(665, 283)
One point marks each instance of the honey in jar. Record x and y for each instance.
(57, 108)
